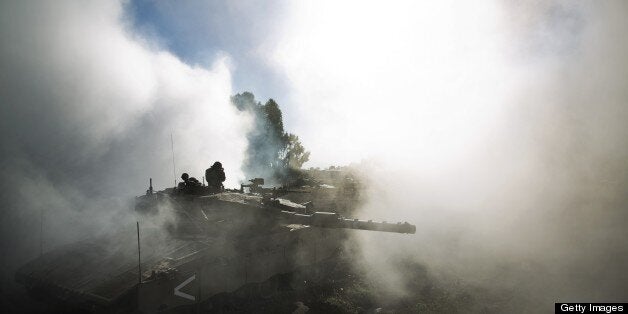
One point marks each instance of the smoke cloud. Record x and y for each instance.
(88, 109)
(497, 127)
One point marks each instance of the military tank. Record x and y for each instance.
(194, 243)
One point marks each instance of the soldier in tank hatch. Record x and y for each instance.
(215, 176)
(191, 181)
(188, 182)
(184, 177)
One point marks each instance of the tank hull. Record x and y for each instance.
(202, 274)
(197, 247)
(89, 276)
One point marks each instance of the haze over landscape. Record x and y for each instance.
(497, 127)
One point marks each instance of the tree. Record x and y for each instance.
(271, 152)
(294, 154)
(244, 101)
(275, 135)
(274, 117)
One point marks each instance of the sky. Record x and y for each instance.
(340, 70)
(199, 31)
(497, 127)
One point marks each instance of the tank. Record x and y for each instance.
(193, 244)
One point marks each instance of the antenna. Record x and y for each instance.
(174, 172)
(41, 233)
(139, 261)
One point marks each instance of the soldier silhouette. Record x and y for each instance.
(215, 176)
(188, 182)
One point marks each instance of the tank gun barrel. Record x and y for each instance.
(334, 220)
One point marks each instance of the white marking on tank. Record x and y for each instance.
(183, 294)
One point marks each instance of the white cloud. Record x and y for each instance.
(372, 78)
(88, 109)
(492, 124)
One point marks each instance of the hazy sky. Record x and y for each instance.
(343, 71)
(199, 31)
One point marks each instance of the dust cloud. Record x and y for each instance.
(498, 128)
(88, 110)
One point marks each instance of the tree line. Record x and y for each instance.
(272, 153)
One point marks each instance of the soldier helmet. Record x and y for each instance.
(185, 176)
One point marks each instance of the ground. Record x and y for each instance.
(340, 287)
